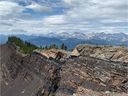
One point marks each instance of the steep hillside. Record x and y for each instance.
(35, 75)
(24, 76)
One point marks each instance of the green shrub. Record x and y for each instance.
(25, 47)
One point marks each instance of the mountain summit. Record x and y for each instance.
(36, 75)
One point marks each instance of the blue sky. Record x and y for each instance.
(46, 16)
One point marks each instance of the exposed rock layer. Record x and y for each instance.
(104, 52)
(35, 75)
(94, 74)
(25, 76)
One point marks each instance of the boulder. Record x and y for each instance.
(75, 53)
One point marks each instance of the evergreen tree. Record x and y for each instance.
(46, 47)
(25, 47)
(63, 46)
(53, 46)
(40, 47)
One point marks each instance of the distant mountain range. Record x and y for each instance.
(88, 36)
(72, 39)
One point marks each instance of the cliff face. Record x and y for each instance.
(35, 75)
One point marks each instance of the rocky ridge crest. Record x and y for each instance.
(36, 75)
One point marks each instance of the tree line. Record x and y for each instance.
(24, 46)
(27, 47)
(54, 46)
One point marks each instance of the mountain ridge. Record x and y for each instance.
(72, 39)
(35, 75)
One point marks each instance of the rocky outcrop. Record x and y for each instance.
(8, 58)
(36, 75)
(27, 75)
(103, 52)
(56, 54)
(75, 53)
(48, 71)
(87, 73)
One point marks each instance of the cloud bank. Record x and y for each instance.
(42, 17)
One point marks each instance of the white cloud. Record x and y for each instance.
(56, 19)
(39, 8)
(113, 21)
(7, 8)
(98, 9)
(81, 16)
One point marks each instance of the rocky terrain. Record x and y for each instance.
(54, 53)
(109, 53)
(82, 75)
(88, 75)
(24, 76)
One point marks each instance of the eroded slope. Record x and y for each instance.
(35, 75)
